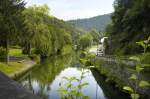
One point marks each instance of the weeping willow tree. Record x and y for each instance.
(35, 27)
(45, 33)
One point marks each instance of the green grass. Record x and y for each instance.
(15, 52)
(11, 67)
(94, 46)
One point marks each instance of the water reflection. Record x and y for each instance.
(92, 90)
(44, 80)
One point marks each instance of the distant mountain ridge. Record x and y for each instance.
(98, 23)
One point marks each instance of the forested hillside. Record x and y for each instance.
(130, 23)
(98, 23)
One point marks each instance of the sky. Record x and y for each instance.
(75, 9)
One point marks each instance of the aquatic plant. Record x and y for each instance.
(70, 91)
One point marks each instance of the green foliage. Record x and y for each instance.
(130, 23)
(145, 44)
(135, 77)
(85, 41)
(35, 58)
(96, 36)
(145, 58)
(98, 23)
(144, 84)
(15, 52)
(47, 34)
(135, 58)
(69, 91)
(12, 22)
(85, 58)
(67, 49)
(3, 52)
(11, 67)
(127, 88)
(138, 83)
(10, 10)
(135, 96)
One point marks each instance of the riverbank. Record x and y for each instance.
(16, 69)
(9, 89)
(111, 66)
(111, 69)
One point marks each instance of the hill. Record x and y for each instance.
(98, 23)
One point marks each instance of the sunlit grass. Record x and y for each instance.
(11, 67)
(15, 52)
(94, 46)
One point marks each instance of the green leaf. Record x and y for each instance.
(133, 77)
(127, 88)
(90, 67)
(85, 97)
(84, 84)
(78, 80)
(135, 58)
(66, 78)
(149, 38)
(69, 78)
(83, 61)
(144, 83)
(145, 65)
(139, 68)
(62, 91)
(69, 85)
(82, 77)
(135, 96)
(72, 78)
(141, 43)
(79, 94)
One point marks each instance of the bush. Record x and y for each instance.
(146, 58)
(3, 52)
(35, 58)
(67, 49)
(85, 41)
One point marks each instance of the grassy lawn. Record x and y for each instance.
(94, 46)
(15, 52)
(11, 67)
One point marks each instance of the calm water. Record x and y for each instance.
(44, 80)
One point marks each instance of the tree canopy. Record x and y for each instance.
(130, 23)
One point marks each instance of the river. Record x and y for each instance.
(44, 80)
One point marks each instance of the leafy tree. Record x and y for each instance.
(11, 20)
(45, 33)
(130, 23)
(85, 40)
(96, 36)
(34, 26)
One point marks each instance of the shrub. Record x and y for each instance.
(35, 58)
(3, 52)
(145, 58)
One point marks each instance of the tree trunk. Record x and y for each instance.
(27, 49)
(7, 51)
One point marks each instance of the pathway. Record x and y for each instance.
(10, 89)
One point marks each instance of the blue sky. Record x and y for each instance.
(75, 9)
